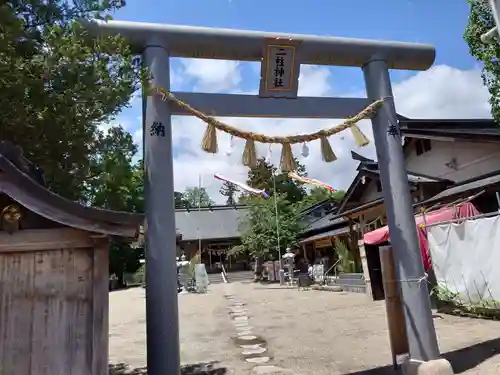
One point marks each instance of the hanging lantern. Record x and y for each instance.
(269, 155)
(230, 149)
(305, 150)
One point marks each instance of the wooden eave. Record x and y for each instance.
(27, 192)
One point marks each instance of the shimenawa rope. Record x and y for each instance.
(249, 158)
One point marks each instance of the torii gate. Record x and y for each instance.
(157, 43)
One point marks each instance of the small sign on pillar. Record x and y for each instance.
(280, 69)
(157, 129)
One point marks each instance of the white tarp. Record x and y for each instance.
(465, 258)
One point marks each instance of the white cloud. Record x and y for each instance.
(213, 75)
(441, 92)
(313, 81)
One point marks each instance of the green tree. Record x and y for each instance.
(318, 194)
(480, 21)
(259, 230)
(180, 202)
(229, 190)
(117, 184)
(195, 196)
(115, 180)
(261, 177)
(58, 85)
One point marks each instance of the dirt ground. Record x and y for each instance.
(306, 333)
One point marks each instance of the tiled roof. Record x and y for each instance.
(217, 222)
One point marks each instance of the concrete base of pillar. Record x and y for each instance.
(435, 367)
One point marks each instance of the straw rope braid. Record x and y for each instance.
(209, 143)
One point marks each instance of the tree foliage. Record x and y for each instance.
(58, 85)
(259, 230)
(261, 177)
(318, 194)
(180, 202)
(480, 21)
(229, 191)
(117, 184)
(197, 197)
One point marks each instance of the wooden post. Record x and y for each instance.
(366, 271)
(393, 305)
(100, 309)
(362, 224)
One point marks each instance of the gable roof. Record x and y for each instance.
(329, 221)
(216, 222)
(479, 130)
(18, 182)
(369, 168)
(489, 181)
(316, 206)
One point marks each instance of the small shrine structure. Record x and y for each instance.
(54, 278)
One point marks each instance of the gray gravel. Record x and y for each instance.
(306, 332)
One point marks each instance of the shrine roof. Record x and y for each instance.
(479, 130)
(19, 183)
(210, 223)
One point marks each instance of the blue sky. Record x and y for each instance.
(439, 22)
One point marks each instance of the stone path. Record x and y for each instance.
(253, 348)
(250, 329)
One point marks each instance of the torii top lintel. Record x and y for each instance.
(245, 45)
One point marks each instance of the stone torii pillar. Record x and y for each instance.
(159, 42)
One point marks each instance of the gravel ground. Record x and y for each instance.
(306, 332)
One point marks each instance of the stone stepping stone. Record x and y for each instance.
(240, 318)
(243, 328)
(236, 308)
(255, 346)
(249, 340)
(254, 352)
(239, 313)
(245, 333)
(258, 359)
(241, 323)
(270, 370)
(250, 337)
